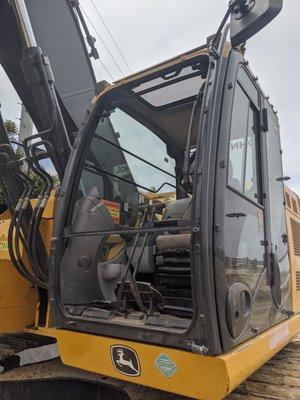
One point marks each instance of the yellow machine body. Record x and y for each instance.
(18, 297)
(196, 376)
(293, 228)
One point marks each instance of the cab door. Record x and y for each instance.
(278, 260)
(247, 294)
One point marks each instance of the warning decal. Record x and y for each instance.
(166, 365)
(279, 336)
(114, 210)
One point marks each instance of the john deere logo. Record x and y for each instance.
(166, 366)
(125, 360)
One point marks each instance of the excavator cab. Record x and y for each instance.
(128, 253)
(172, 225)
(169, 259)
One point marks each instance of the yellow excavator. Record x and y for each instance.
(166, 263)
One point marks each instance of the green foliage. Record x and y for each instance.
(38, 183)
(12, 131)
(2, 203)
(11, 128)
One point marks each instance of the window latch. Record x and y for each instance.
(264, 120)
(283, 178)
(236, 215)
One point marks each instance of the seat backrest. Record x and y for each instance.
(178, 210)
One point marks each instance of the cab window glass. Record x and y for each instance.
(238, 136)
(243, 164)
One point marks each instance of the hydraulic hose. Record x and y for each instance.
(36, 269)
(16, 258)
(39, 200)
(44, 199)
(37, 263)
(16, 217)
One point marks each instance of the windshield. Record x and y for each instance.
(136, 151)
(126, 162)
(130, 151)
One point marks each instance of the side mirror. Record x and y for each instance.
(250, 16)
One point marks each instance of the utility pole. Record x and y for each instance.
(26, 127)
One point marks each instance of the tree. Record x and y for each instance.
(12, 129)
(38, 184)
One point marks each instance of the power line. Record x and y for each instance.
(104, 44)
(111, 36)
(104, 66)
(98, 73)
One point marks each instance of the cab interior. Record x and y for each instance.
(127, 258)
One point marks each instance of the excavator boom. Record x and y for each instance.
(66, 49)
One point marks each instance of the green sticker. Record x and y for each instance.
(3, 245)
(166, 365)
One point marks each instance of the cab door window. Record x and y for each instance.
(248, 300)
(243, 161)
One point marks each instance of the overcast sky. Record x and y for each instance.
(149, 31)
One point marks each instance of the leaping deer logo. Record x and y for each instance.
(125, 361)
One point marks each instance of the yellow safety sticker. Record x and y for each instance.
(114, 210)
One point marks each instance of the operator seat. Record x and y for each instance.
(79, 267)
(176, 210)
(173, 262)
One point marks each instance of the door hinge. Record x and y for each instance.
(285, 238)
(264, 120)
(217, 228)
